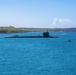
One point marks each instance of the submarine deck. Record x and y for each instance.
(31, 37)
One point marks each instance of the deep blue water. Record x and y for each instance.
(43, 56)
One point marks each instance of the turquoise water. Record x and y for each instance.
(43, 56)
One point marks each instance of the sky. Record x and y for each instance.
(38, 13)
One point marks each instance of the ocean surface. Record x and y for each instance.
(38, 56)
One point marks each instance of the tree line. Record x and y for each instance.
(11, 29)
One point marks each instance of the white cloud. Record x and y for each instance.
(60, 21)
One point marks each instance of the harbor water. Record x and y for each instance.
(38, 56)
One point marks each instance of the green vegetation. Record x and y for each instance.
(49, 29)
(12, 29)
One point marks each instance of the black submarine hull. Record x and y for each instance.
(31, 37)
(45, 35)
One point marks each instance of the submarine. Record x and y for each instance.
(45, 35)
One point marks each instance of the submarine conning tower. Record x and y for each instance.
(46, 34)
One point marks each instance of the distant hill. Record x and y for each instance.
(12, 29)
(70, 30)
(49, 29)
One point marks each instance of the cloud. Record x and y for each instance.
(60, 21)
